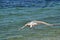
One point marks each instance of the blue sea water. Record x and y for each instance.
(11, 19)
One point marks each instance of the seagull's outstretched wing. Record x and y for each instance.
(22, 27)
(41, 22)
(48, 24)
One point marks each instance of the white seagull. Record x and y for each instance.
(34, 23)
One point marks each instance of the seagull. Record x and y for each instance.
(34, 23)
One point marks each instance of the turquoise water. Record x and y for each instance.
(11, 19)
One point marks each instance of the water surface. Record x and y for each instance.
(11, 19)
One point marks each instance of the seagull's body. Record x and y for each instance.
(34, 23)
